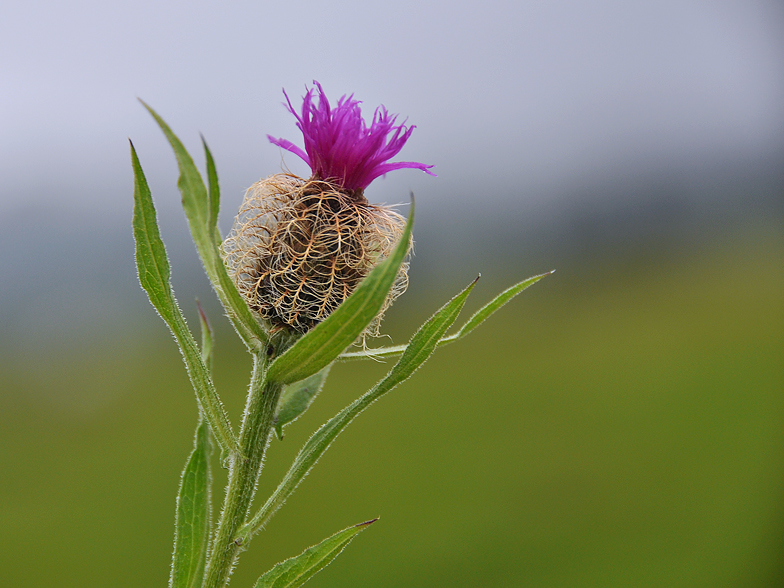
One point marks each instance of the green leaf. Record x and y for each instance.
(296, 571)
(421, 346)
(193, 522)
(322, 344)
(153, 267)
(206, 337)
(478, 318)
(297, 398)
(213, 192)
(200, 208)
(488, 309)
(425, 340)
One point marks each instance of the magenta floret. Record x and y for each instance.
(340, 147)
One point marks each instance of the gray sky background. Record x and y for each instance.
(542, 92)
(522, 106)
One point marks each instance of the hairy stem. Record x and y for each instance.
(244, 472)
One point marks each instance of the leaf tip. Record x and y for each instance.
(151, 111)
(203, 314)
(366, 523)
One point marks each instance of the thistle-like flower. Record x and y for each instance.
(299, 248)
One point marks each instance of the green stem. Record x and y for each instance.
(243, 473)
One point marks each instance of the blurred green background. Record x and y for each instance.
(621, 423)
(618, 425)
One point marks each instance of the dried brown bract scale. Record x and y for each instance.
(299, 248)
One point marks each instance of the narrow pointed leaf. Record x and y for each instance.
(478, 318)
(421, 346)
(322, 344)
(153, 267)
(193, 523)
(294, 572)
(206, 337)
(213, 192)
(297, 398)
(488, 309)
(202, 218)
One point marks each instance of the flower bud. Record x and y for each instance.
(299, 248)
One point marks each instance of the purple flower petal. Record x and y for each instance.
(340, 147)
(289, 146)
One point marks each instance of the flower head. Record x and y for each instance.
(341, 148)
(298, 247)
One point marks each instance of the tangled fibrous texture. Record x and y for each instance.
(299, 248)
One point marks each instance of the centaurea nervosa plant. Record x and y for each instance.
(306, 272)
